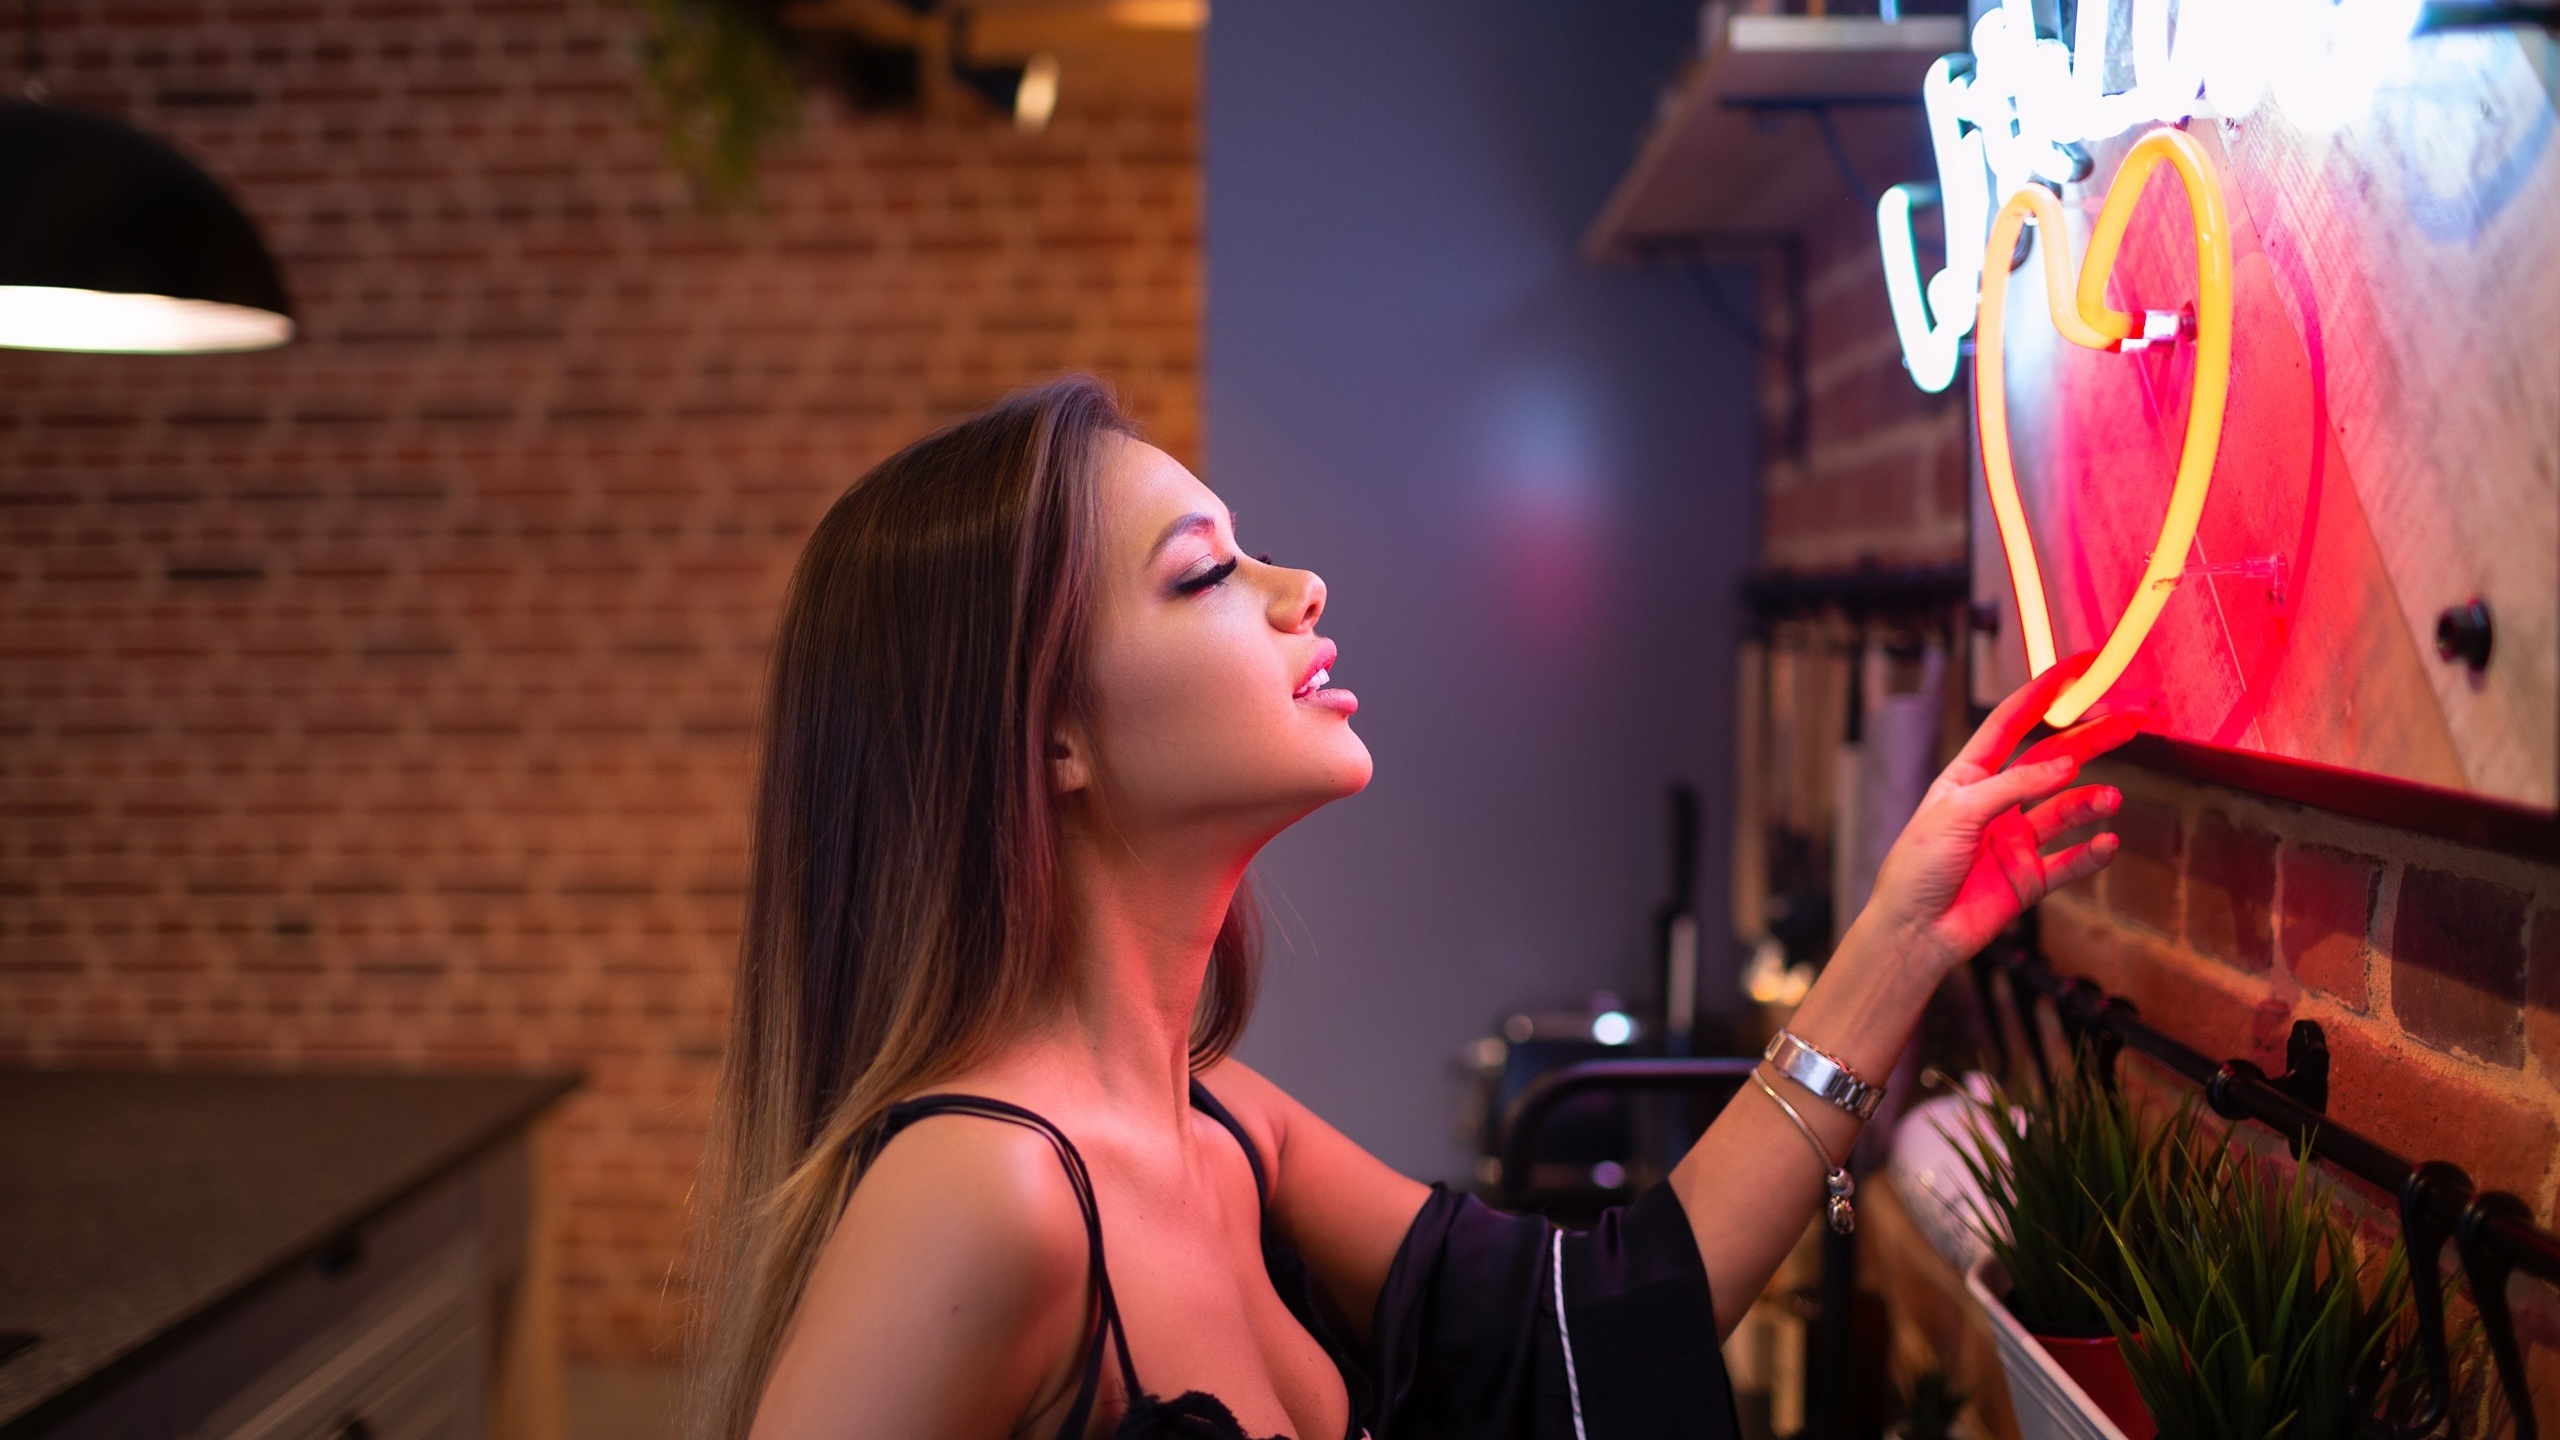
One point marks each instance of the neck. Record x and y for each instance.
(1145, 917)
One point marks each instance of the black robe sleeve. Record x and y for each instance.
(1468, 1342)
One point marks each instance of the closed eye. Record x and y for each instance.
(1208, 579)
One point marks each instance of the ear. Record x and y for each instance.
(1068, 771)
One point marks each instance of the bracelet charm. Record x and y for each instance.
(1840, 1185)
(1837, 1184)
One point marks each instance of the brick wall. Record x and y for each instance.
(2230, 916)
(2433, 968)
(387, 700)
(1881, 471)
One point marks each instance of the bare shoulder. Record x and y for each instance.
(950, 1299)
(993, 1195)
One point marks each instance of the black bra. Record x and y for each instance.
(1191, 1415)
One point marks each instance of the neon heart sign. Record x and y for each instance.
(2018, 110)
(2083, 317)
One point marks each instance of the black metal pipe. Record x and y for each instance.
(2240, 1091)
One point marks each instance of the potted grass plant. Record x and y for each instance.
(2065, 1179)
(2247, 1314)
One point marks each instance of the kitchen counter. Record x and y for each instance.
(141, 1213)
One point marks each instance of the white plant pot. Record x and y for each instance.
(2050, 1405)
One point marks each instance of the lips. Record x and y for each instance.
(1319, 671)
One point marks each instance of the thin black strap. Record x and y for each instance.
(1107, 1319)
(1207, 1103)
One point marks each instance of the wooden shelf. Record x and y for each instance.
(1740, 152)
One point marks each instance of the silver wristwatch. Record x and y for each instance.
(1822, 1074)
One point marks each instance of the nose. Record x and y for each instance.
(1297, 599)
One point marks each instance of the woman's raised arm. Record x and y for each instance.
(1969, 862)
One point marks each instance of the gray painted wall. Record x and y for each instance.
(1530, 485)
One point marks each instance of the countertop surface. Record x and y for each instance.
(133, 1204)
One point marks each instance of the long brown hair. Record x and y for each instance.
(905, 915)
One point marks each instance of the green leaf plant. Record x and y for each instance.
(2246, 1314)
(721, 73)
(2062, 1178)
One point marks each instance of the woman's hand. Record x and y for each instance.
(1972, 857)
(1969, 861)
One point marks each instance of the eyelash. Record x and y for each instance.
(1207, 579)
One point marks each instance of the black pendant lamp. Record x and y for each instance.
(112, 241)
(1026, 91)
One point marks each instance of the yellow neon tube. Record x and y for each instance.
(2083, 317)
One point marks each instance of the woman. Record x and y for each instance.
(983, 1166)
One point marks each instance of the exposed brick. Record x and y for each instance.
(2458, 964)
(2209, 1007)
(1880, 493)
(2328, 917)
(386, 700)
(1877, 394)
(2419, 1103)
(1951, 474)
(2142, 883)
(2231, 886)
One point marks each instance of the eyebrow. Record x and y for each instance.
(1187, 525)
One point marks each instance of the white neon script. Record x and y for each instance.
(2013, 112)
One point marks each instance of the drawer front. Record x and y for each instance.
(410, 1367)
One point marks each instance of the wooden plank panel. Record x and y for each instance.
(1717, 167)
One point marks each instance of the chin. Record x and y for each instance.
(1362, 767)
(1338, 771)
(1351, 769)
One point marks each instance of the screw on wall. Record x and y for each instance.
(2463, 633)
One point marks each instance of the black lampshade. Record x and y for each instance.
(1028, 92)
(112, 241)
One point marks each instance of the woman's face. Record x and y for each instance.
(1213, 707)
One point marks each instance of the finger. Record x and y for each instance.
(1980, 801)
(2014, 717)
(2079, 862)
(2087, 740)
(2072, 809)
(2011, 844)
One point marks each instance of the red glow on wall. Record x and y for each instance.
(2284, 614)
